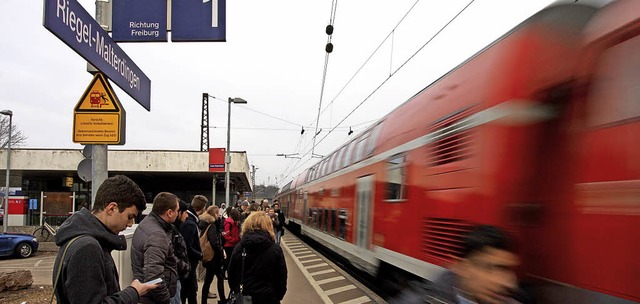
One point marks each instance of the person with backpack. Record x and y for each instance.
(211, 237)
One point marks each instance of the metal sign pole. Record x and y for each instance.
(99, 153)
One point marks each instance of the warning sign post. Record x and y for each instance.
(99, 118)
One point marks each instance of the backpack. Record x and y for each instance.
(205, 245)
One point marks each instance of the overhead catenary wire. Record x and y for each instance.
(382, 83)
(328, 49)
(398, 69)
(370, 56)
(281, 119)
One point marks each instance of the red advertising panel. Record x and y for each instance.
(216, 159)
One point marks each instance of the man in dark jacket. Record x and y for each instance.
(280, 231)
(189, 231)
(180, 251)
(88, 273)
(152, 254)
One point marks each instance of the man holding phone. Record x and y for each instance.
(84, 271)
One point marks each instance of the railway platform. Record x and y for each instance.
(312, 279)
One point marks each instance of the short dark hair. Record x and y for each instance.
(198, 202)
(483, 236)
(164, 201)
(183, 206)
(121, 190)
(276, 203)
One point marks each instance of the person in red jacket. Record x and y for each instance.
(231, 234)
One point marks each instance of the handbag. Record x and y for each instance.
(238, 297)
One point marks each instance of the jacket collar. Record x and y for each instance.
(165, 226)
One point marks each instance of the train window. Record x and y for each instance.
(334, 216)
(329, 164)
(614, 94)
(319, 170)
(327, 167)
(342, 226)
(334, 160)
(374, 137)
(316, 218)
(360, 147)
(395, 190)
(325, 219)
(339, 156)
(347, 156)
(308, 178)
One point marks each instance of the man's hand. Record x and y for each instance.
(143, 288)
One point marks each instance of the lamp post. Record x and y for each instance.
(227, 158)
(5, 217)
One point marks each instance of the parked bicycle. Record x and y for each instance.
(43, 233)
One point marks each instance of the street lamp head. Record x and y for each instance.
(237, 100)
(10, 113)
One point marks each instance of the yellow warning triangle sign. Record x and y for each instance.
(98, 97)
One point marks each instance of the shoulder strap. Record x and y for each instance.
(55, 282)
(205, 231)
(244, 254)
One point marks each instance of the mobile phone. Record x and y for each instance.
(156, 281)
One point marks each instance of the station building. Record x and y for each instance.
(44, 183)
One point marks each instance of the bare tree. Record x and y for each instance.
(17, 138)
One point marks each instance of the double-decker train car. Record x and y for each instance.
(538, 133)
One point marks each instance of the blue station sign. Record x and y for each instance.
(198, 20)
(70, 22)
(139, 21)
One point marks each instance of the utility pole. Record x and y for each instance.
(204, 124)
(253, 176)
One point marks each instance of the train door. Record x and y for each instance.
(607, 191)
(364, 209)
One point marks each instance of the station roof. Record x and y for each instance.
(191, 164)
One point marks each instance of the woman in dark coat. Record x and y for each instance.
(214, 267)
(265, 271)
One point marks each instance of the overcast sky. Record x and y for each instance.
(273, 58)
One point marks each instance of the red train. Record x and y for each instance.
(539, 133)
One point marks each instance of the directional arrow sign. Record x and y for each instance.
(99, 118)
(198, 20)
